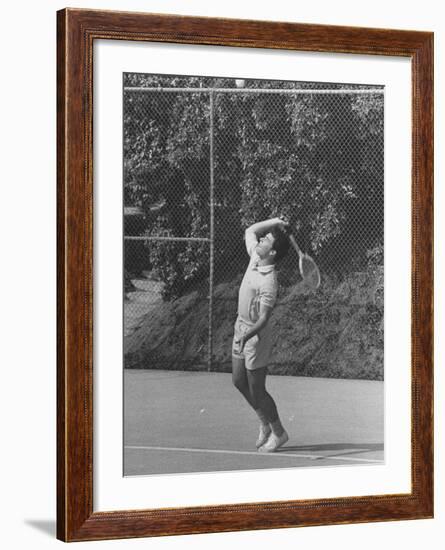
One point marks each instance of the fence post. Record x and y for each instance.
(212, 237)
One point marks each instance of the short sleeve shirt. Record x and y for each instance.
(259, 284)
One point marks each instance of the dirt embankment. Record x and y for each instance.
(335, 332)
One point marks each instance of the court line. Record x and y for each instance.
(253, 453)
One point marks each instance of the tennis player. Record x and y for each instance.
(266, 243)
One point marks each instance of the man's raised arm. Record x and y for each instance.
(265, 226)
(253, 232)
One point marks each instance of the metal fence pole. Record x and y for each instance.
(212, 236)
(243, 91)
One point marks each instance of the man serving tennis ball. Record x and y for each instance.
(266, 243)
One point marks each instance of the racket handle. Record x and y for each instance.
(294, 244)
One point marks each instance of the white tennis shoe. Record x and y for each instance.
(274, 442)
(263, 436)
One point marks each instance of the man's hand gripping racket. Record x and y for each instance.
(308, 268)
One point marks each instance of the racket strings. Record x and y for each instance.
(309, 271)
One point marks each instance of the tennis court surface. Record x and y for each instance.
(179, 422)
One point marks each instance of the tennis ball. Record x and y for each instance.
(240, 83)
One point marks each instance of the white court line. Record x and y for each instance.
(252, 453)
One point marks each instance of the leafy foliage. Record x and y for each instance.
(316, 159)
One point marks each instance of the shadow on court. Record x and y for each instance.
(342, 448)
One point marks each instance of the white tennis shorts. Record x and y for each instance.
(257, 350)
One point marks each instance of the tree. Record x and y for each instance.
(317, 159)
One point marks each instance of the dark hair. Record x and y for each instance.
(280, 243)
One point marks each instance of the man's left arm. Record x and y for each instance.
(253, 233)
(260, 228)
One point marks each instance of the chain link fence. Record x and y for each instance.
(204, 159)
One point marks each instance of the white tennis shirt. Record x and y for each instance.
(259, 284)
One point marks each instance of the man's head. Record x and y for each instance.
(273, 246)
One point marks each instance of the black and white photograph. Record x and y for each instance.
(222, 236)
(253, 274)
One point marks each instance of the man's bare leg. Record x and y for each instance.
(240, 381)
(262, 399)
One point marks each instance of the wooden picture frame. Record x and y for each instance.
(77, 31)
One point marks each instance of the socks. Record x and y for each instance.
(277, 427)
(262, 417)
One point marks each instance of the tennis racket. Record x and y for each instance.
(308, 268)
